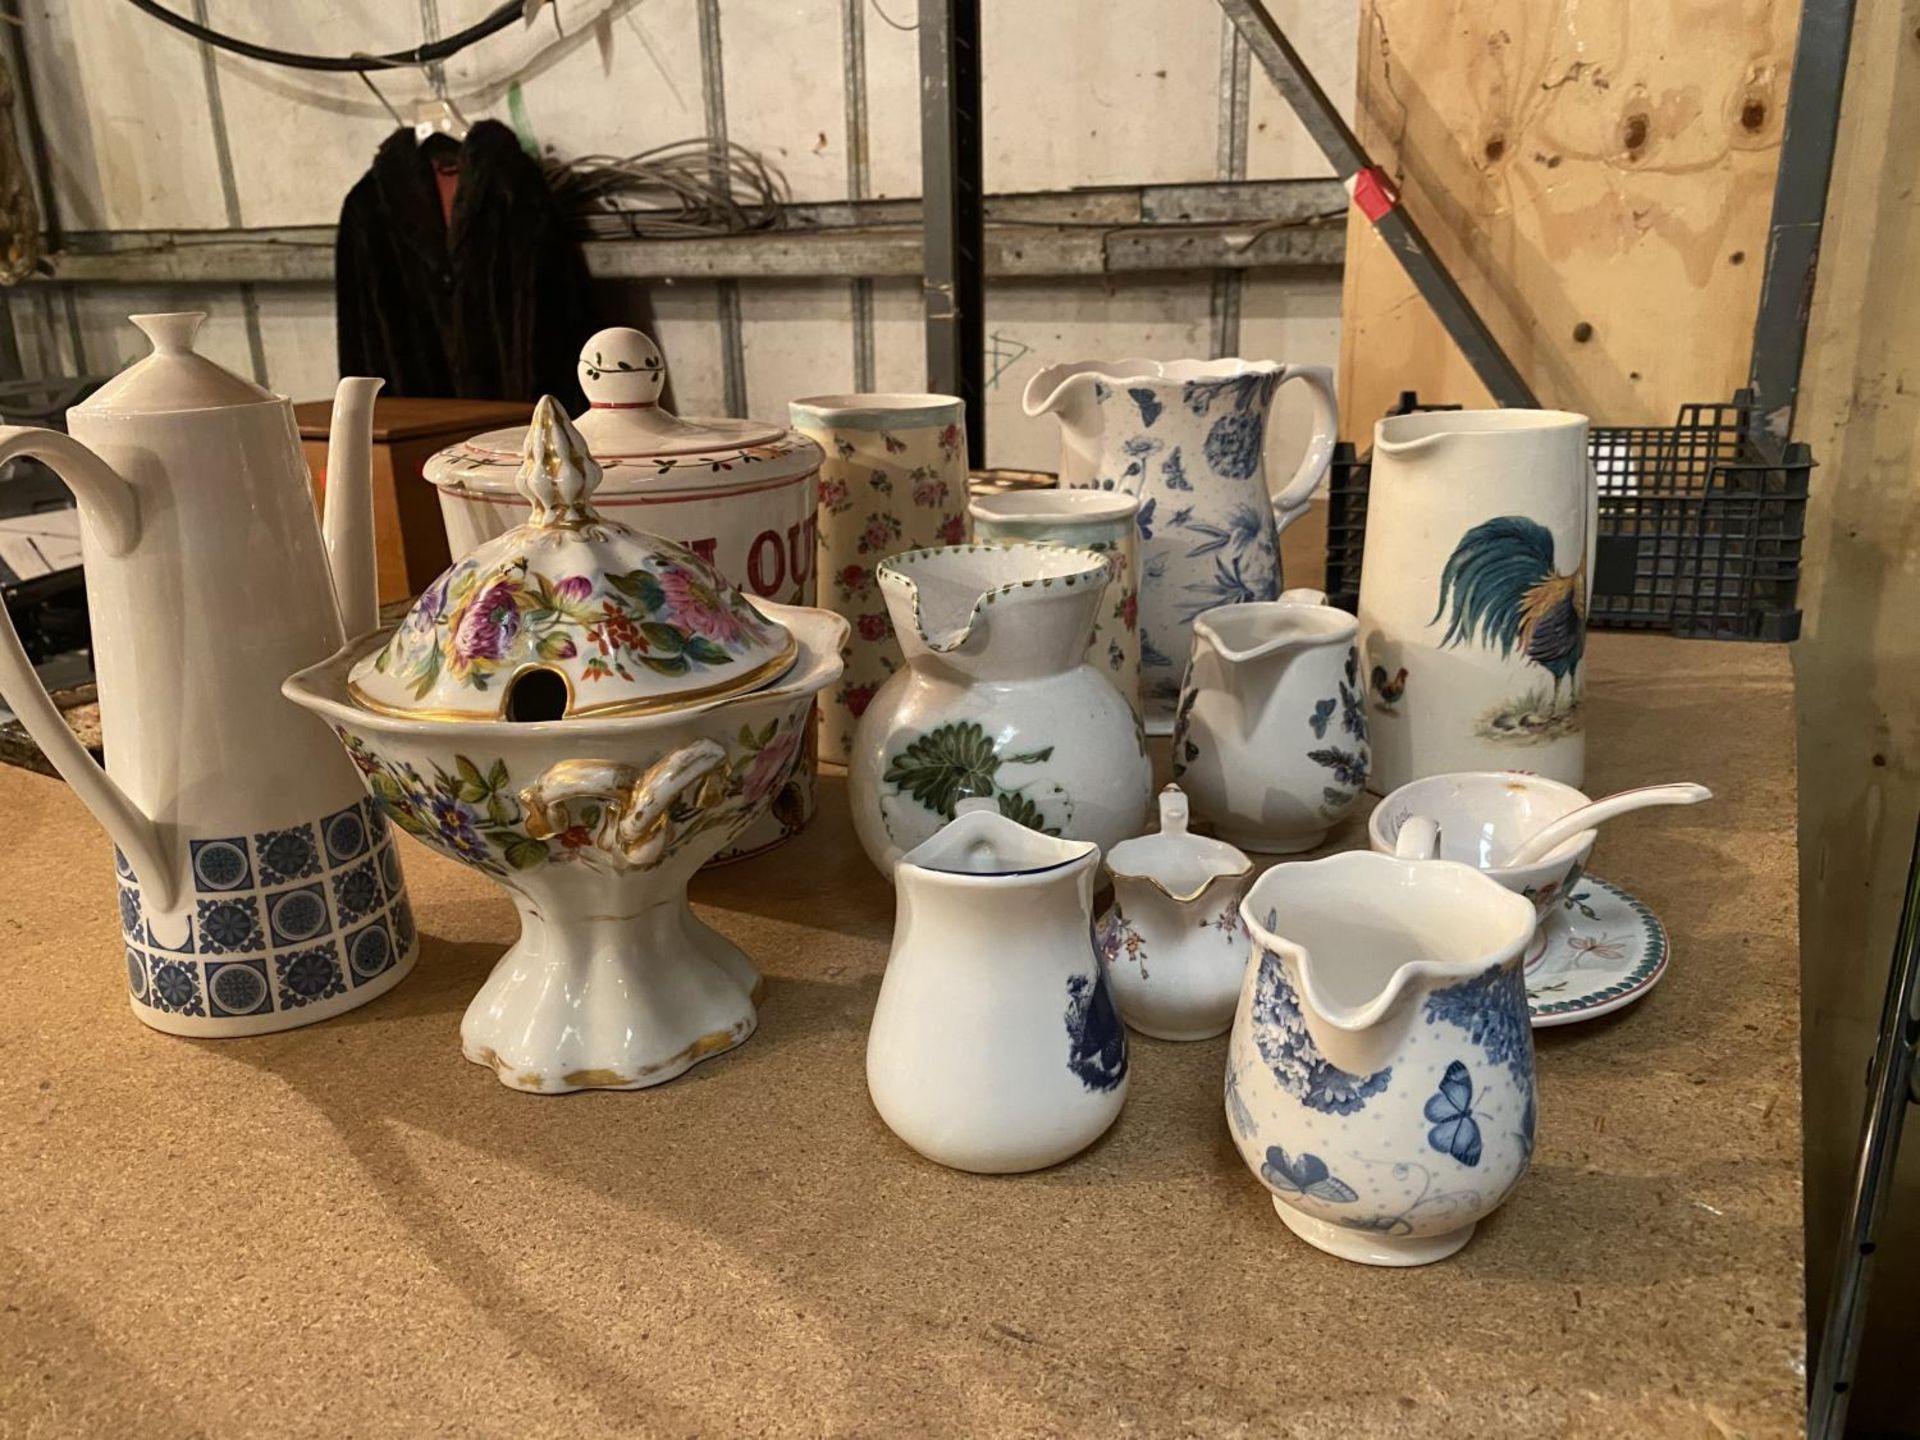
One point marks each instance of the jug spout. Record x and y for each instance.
(995, 612)
(1364, 937)
(1065, 391)
(1240, 634)
(1073, 394)
(348, 520)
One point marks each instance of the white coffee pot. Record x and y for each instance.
(258, 888)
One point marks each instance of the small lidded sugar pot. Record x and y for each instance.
(741, 494)
(587, 714)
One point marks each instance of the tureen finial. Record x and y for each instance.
(558, 474)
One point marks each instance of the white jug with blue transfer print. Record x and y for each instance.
(1380, 1074)
(1270, 741)
(995, 1044)
(1188, 437)
(258, 889)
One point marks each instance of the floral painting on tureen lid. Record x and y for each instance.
(643, 446)
(570, 614)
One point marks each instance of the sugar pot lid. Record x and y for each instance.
(571, 613)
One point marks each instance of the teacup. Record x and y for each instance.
(1482, 815)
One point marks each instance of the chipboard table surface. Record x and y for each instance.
(350, 1230)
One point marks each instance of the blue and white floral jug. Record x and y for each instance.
(1270, 740)
(1380, 1073)
(1188, 437)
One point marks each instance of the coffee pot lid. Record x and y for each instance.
(174, 377)
(570, 614)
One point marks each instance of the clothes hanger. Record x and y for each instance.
(438, 116)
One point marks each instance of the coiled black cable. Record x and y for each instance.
(453, 44)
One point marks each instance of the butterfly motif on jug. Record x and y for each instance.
(1492, 1009)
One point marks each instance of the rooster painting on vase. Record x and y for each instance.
(1500, 589)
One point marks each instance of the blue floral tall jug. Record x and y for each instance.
(1188, 437)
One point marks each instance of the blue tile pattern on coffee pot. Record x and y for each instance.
(279, 920)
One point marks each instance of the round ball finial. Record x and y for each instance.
(622, 368)
(558, 473)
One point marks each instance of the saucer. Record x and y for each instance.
(1601, 950)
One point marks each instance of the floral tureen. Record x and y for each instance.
(587, 714)
(741, 494)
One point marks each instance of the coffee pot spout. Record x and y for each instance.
(347, 524)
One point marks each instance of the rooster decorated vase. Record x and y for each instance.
(1473, 603)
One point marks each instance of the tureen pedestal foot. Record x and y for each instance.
(1369, 1247)
(724, 953)
(609, 1001)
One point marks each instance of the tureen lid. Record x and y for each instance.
(570, 614)
(174, 377)
(631, 434)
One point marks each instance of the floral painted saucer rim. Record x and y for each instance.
(1649, 952)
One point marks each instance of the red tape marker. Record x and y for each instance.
(1372, 192)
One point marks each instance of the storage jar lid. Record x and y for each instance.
(570, 614)
(636, 441)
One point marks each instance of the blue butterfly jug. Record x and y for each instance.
(1380, 1076)
(1189, 438)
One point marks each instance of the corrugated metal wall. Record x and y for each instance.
(145, 133)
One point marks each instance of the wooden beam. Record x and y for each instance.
(1244, 226)
(237, 257)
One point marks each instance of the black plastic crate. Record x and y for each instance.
(1701, 524)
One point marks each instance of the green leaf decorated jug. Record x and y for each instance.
(997, 701)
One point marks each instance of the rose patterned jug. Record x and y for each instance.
(1189, 438)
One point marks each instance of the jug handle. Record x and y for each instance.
(112, 514)
(1291, 503)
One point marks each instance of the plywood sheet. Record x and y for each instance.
(1599, 179)
(351, 1231)
(1858, 668)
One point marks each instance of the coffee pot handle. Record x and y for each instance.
(112, 518)
(1291, 503)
